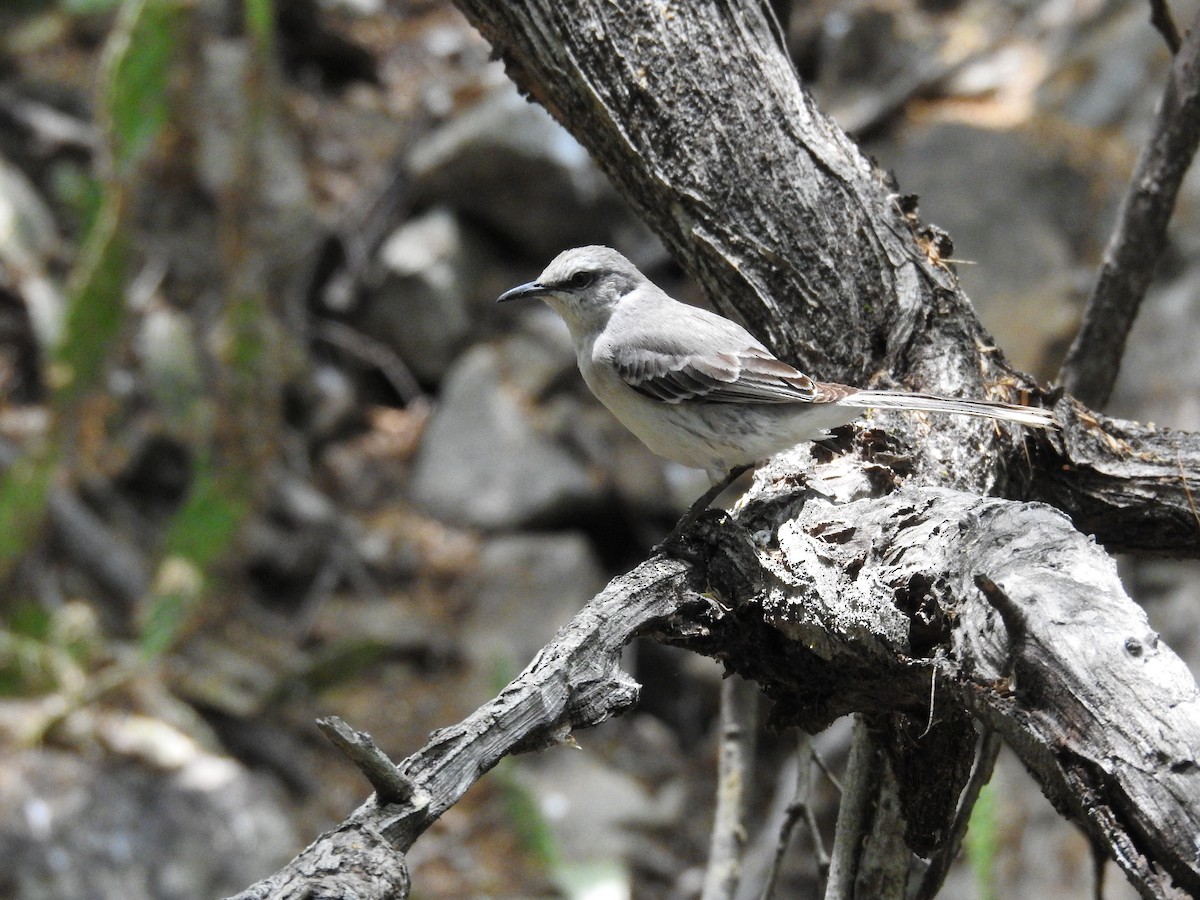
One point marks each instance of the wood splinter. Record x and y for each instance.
(389, 783)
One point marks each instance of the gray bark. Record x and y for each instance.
(851, 611)
(1131, 485)
(891, 581)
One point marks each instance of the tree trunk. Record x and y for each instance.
(905, 580)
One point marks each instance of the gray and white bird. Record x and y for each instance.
(696, 387)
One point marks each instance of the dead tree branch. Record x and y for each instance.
(1134, 486)
(1039, 618)
(845, 614)
(1090, 369)
(873, 579)
(574, 682)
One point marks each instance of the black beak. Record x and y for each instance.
(521, 291)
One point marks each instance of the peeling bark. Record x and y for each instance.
(1040, 643)
(1045, 647)
(883, 582)
(1134, 486)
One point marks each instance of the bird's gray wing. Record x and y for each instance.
(749, 375)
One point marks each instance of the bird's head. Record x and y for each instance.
(582, 285)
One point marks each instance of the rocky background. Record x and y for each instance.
(426, 491)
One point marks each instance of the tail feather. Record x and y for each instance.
(1007, 412)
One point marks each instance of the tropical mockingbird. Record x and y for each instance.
(696, 387)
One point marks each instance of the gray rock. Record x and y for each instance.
(427, 269)
(200, 826)
(1019, 212)
(488, 458)
(331, 400)
(1125, 64)
(526, 587)
(507, 164)
(167, 348)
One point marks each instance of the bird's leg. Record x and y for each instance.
(671, 543)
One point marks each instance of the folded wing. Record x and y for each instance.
(750, 375)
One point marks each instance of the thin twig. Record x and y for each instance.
(739, 708)
(799, 809)
(389, 784)
(853, 822)
(1090, 369)
(825, 770)
(1191, 501)
(373, 352)
(810, 819)
(1164, 22)
(981, 774)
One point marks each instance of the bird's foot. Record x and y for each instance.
(673, 544)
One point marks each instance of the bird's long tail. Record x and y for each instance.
(1008, 412)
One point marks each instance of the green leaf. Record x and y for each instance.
(138, 79)
(95, 309)
(89, 7)
(205, 527)
(23, 493)
(260, 21)
(983, 841)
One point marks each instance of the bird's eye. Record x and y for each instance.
(581, 279)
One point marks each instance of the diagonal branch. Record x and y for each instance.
(1090, 369)
(574, 682)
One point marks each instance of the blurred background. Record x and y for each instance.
(271, 451)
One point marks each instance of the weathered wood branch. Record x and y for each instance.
(1047, 650)
(855, 594)
(575, 681)
(1133, 486)
(868, 603)
(358, 746)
